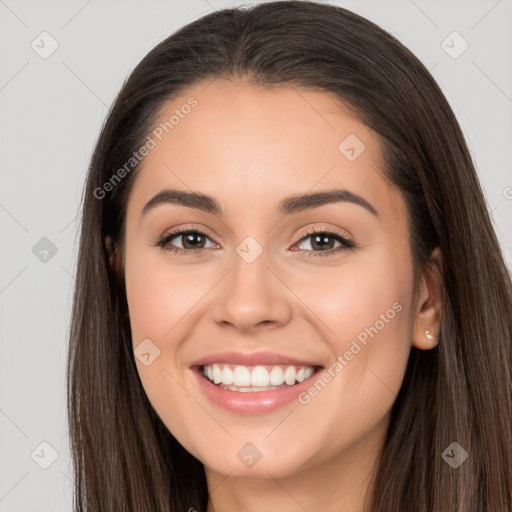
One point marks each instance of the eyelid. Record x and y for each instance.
(189, 227)
(330, 231)
(346, 241)
(203, 230)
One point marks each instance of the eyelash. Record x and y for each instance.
(345, 243)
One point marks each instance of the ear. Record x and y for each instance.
(114, 257)
(427, 317)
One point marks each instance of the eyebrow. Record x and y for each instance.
(288, 206)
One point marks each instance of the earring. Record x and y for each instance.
(428, 335)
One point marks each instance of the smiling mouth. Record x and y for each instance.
(256, 378)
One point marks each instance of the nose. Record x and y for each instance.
(251, 297)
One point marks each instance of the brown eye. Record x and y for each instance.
(191, 240)
(323, 243)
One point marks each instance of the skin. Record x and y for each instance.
(249, 148)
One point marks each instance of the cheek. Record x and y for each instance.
(160, 302)
(363, 312)
(159, 295)
(360, 300)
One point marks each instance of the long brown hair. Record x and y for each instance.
(124, 457)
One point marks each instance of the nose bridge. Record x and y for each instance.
(251, 293)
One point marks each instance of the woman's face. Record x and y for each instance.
(262, 291)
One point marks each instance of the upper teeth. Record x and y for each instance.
(257, 376)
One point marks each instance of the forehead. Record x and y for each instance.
(250, 147)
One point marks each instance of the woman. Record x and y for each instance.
(289, 293)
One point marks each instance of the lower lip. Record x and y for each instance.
(255, 402)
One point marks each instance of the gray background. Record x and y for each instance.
(52, 111)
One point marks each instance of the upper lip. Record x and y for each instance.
(251, 359)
